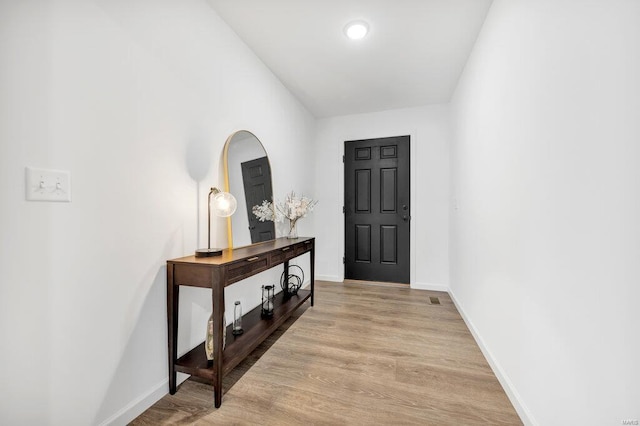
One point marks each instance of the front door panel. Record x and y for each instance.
(377, 206)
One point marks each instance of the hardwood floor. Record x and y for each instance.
(362, 355)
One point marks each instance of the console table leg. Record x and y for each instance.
(172, 326)
(312, 262)
(218, 395)
(218, 334)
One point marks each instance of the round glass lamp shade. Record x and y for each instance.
(223, 204)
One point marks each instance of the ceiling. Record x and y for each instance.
(413, 55)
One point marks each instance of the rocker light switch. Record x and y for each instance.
(47, 185)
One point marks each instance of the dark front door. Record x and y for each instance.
(256, 177)
(377, 206)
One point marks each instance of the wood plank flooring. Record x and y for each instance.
(362, 355)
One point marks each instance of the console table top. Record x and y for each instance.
(235, 254)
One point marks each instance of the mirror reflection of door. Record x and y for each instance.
(245, 147)
(256, 177)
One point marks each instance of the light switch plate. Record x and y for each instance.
(47, 185)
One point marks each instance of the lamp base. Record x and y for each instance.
(208, 252)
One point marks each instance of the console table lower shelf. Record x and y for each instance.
(256, 330)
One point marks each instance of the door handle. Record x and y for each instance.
(406, 218)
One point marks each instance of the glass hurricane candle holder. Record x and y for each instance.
(268, 297)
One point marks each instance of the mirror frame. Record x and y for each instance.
(225, 160)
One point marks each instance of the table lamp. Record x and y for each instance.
(223, 204)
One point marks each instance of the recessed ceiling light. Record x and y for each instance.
(356, 30)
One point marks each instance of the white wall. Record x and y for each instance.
(135, 99)
(429, 130)
(546, 196)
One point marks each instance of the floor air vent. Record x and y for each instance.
(434, 300)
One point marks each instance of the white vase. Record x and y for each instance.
(293, 229)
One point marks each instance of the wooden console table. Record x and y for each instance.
(216, 273)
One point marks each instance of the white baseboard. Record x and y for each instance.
(510, 390)
(333, 278)
(139, 405)
(430, 286)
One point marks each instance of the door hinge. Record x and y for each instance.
(343, 158)
(343, 260)
(343, 211)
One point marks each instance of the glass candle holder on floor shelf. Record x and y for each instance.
(237, 319)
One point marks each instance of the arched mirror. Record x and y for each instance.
(248, 178)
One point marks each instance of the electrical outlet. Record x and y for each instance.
(47, 185)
